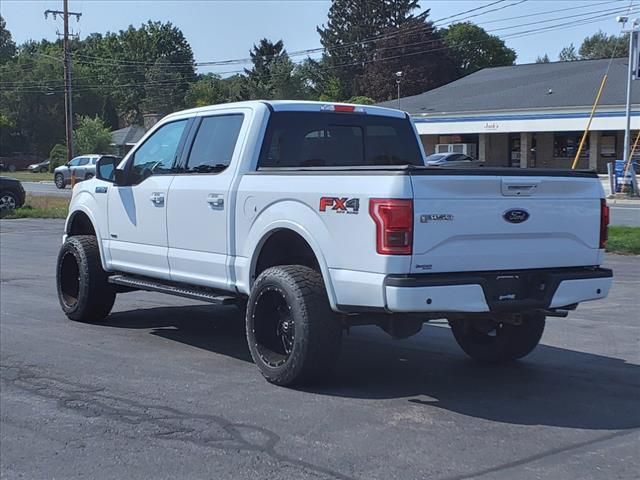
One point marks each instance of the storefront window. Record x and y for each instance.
(565, 145)
(608, 145)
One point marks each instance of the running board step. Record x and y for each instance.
(180, 290)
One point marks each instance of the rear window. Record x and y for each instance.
(323, 139)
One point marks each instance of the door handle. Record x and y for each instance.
(215, 201)
(157, 199)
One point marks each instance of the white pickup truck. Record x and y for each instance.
(315, 217)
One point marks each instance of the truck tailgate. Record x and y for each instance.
(480, 222)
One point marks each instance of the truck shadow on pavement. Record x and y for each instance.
(552, 386)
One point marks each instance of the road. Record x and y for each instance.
(46, 189)
(165, 389)
(625, 214)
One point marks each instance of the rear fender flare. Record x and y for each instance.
(302, 220)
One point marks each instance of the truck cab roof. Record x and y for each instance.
(295, 106)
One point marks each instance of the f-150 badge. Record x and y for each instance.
(340, 205)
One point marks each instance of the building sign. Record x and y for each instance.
(491, 126)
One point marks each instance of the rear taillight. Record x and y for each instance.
(604, 222)
(394, 225)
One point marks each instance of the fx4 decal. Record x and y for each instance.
(340, 205)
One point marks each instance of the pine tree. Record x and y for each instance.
(417, 50)
(273, 73)
(349, 33)
(568, 54)
(543, 59)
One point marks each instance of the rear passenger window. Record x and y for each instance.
(214, 143)
(322, 139)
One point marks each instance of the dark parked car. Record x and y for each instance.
(18, 161)
(11, 193)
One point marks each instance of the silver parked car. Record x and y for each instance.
(452, 160)
(83, 167)
(39, 167)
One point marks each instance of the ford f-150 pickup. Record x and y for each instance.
(314, 217)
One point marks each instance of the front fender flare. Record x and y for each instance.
(83, 208)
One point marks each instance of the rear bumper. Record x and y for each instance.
(496, 292)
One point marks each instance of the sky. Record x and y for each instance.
(222, 30)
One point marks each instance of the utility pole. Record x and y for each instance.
(68, 103)
(631, 73)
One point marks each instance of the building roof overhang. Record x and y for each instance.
(535, 120)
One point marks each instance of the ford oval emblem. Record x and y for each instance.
(516, 215)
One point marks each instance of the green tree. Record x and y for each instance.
(319, 80)
(474, 49)
(236, 88)
(117, 76)
(57, 156)
(597, 46)
(206, 90)
(164, 91)
(403, 50)
(361, 100)
(91, 136)
(601, 45)
(543, 59)
(348, 35)
(31, 99)
(128, 65)
(273, 74)
(568, 54)
(7, 45)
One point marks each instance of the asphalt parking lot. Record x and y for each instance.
(166, 389)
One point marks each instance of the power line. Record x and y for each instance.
(489, 11)
(585, 18)
(310, 51)
(469, 11)
(247, 60)
(520, 34)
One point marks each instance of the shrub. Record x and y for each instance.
(57, 156)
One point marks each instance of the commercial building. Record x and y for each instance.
(529, 115)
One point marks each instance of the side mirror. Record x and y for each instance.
(106, 169)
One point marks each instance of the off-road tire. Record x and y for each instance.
(58, 179)
(83, 290)
(317, 329)
(509, 342)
